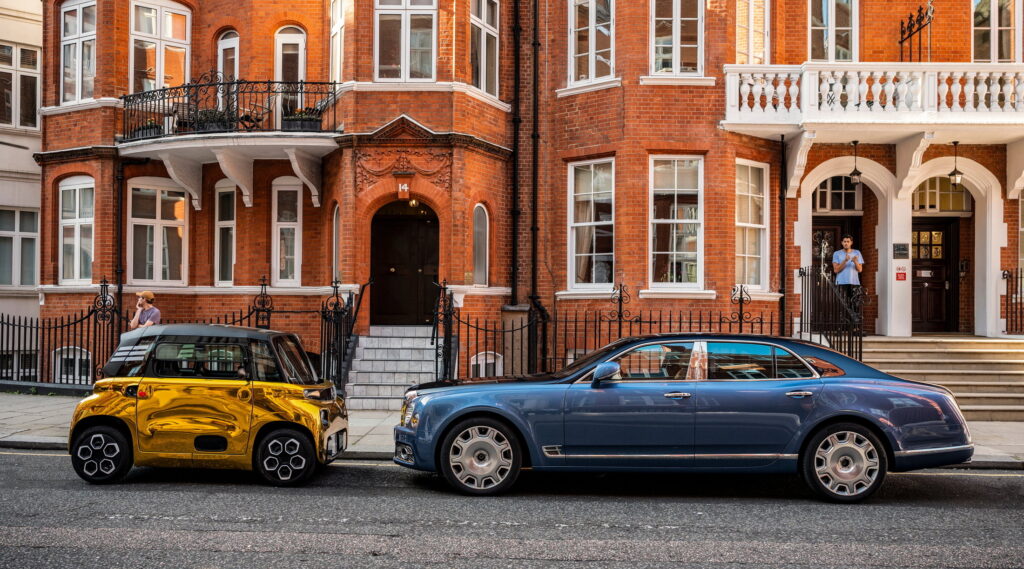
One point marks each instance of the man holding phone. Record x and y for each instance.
(145, 313)
(847, 264)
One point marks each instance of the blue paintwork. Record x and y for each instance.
(722, 417)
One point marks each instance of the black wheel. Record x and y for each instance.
(101, 455)
(481, 456)
(285, 457)
(844, 463)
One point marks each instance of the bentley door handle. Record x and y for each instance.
(678, 395)
(799, 394)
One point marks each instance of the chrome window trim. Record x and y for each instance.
(916, 452)
(813, 371)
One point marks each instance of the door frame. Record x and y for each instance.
(374, 244)
(952, 226)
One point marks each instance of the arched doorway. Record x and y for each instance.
(403, 264)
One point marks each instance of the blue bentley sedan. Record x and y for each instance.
(693, 403)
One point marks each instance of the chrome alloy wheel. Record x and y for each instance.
(98, 453)
(481, 457)
(284, 459)
(846, 463)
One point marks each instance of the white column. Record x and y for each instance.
(989, 238)
(894, 296)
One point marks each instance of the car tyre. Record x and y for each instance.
(481, 457)
(845, 463)
(101, 455)
(285, 457)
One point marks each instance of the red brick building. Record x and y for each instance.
(192, 147)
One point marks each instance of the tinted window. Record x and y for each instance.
(264, 364)
(129, 360)
(293, 359)
(207, 361)
(591, 358)
(669, 361)
(734, 360)
(788, 366)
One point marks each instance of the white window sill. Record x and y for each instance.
(21, 291)
(677, 80)
(764, 295)
(694, 294)
(22, 130)
(585, 294)
(588, 87)
(80, 106)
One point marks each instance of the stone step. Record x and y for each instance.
(942, 376)
(401, 331)
(394, 342)
(983, 386)
(926, 342)
(1000, 399)
(376, 389)
(940, 354)
(393, 365)
(379, 403)
(993, 412)
(407, 354)
(935, 364)
(402, 377)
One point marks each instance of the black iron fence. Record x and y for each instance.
(213, 104)
(72, 349)
(1014, 301)
(829, 315)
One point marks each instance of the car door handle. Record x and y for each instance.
(678, 395)
(799, 394)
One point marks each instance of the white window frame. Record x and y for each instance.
(279, 41)
(1018, 28)
(76, 40)
(827, 210)
(406, 10)
(162, 7)
(676, 31)
(592, 56)
(17, 72)
(224, 187)
(486, 245)
(486, 30)
(830, 46)
(160, 185)
(753, 32)
(285, 183)
(335, 243)
(649, 249)
(572, 225)
(224, 44)
(76, 354)
(17, 235)
(764, 227)
(478, 364)
(929, 195)
(76, 183)
(337, 39)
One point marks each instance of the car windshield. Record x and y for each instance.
(293, 360)
(593, 357)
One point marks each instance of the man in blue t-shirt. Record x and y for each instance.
(847, 264)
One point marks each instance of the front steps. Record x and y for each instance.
(985, 374)
(386, 363)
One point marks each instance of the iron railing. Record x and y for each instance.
(829, 316)
(1014, 307)
(214, 104)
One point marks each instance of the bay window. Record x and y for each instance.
(76, 229)
(287, 232)
(224, 237)
(406, 32)
(678, 36)
(592, 40)
(484, 45)
(752, 37)
(19, 86)
(77, 50)
(160, 38)
(19, 236)
(751, 224)
(677, 218)
(592, 224)
(833, 28)
(157, 237)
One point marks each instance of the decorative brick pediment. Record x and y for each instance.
(403, 129)
(433, 165)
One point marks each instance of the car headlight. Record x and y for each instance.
(409, 418)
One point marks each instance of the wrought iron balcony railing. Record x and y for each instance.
(212, 104)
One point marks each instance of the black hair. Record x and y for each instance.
(846, 236)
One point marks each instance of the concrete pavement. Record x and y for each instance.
(41, 422)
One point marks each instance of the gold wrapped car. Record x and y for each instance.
(208, 396)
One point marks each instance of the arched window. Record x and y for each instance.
(290, 66)
(839, 195)
(938, 196)
(77, 50)
(224, 237)
(481, 245)
(227, 55)
(287, 244)
(161, 36)
(76, 222)
(486, 364)
(72, 364)
(336, 244)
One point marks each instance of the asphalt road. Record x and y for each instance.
(374, 514)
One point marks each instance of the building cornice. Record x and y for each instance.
(446, 139)
(73, 154)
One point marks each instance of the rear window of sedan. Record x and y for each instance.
(739, 360)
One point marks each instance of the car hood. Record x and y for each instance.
(480, 382)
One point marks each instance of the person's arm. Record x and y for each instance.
(858, 262)
(837, 267)
(135, 321)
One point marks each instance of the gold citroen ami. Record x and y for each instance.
(208, 396)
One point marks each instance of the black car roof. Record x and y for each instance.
(215, 330)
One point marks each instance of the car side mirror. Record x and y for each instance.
(605, 371)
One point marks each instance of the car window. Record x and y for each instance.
(200, 360)
(788, 366)
(668, 361)
(293, 359)
(264, 364)
(737, 360)
(129, 360)
(591, 358)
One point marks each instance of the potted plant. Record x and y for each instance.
(148, 129)
(307, 119)
(213, 120)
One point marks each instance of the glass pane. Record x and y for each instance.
(28, 58)
(728, 360)
(492, 65)
(819, 13)
(67, 252)
(603, 177)
(226, 206)
(789, 366)
(389, 46)
(687, 174)
(286, 253)
(664, 205)
(844, 45)
(28, 261)
(226, 251)
(819, 38)
(142, 252)
(475, 57)
(8, 219)
(936, 252)
(476, 8)
(144, 69)
(664, 174)
(1005, 45)
(172, 253)
(6, 97)
(70, 23)
(6, 260)
(85, 203)
(982, 45)
(175, 26)
(582, 180)
(982, 13)
(480, 246)
(29, 222)
(145, 20)
(27, 101)
(492, 13)
(421, 46)
(172, 206)
(69, 77)
(88, 68)
(665, 361)
(843, 17)
(89, 19)
(7, 55)
(174, 66)
(143, 203)
(85, 251)
(287, 206)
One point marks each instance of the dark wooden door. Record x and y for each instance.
(933, 253)
(403, 264)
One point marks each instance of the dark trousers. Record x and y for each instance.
(850, 294)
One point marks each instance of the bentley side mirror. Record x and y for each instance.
(605, 371)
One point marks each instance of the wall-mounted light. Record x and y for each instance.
(414, 202)
(956, 177)
(855, 175)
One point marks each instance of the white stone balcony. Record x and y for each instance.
(877, 102)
